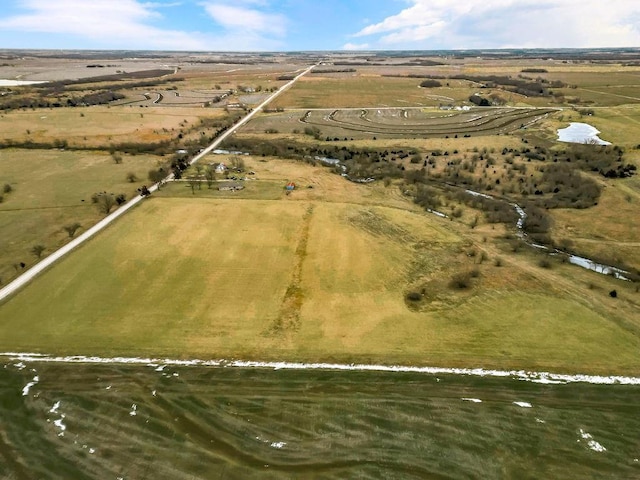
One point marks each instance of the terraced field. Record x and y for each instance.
(426, 123)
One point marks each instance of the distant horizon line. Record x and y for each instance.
(360, 51)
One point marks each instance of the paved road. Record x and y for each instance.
(30, 274)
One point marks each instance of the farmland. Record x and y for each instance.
(430, 224)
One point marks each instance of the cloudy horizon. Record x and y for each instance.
(267, 25)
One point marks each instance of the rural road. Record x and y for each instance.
(38, 268)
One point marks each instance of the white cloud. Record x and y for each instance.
(241, 18)
(112, 23)
(509, 23)
(355, 46)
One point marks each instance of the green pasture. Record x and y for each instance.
(195, 423)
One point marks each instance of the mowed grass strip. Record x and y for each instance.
(210, 278)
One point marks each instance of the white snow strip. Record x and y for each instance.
(278, 444)
(435, 212)
(478, 194)
(523, 404)
(474, 400)
(593, 445)
(134, 410)
(540, 421)
(20, 365)
(55, 407)
(27, 387)
(58, 423)
(475, 372)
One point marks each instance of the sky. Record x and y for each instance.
(294, 25)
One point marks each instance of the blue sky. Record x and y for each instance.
(250, 25)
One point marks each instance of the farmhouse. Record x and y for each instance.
(230, 187)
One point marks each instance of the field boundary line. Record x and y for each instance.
(521, 375)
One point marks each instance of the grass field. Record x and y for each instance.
(300, 280)
(51, 189)
(202, 423)
(98, 126)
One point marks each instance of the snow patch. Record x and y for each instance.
(580, 133)
(523, 404)
(593, 445)
(59, 423)
(55, 407)
(134, 410)
(27, 387)
(474, 400)
(278, 444)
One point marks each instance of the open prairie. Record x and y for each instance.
(308, 276)
(53, 189)
(424, 230)
(99, 126)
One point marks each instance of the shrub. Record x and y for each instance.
(613, 294)
(460, 281)
(544, 263)
(414, 297)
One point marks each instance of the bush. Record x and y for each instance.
(7, 188)
(544, 263)
(414, 297)
(460, 281)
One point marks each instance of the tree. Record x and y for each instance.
(106, 202)
(131, 177)
(157, 175)
(210, 175)
(71, 229)
(193, 181)
(199, 169)
(237, 163)
(38, 250)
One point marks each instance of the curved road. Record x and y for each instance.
(30, 274)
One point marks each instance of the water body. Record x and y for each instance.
(210, 422)
(580, 133)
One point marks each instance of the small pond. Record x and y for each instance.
(580, 133)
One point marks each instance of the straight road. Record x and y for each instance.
(30, 274)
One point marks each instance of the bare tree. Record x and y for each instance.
(106, 202)
(38, 250)
(210, 175)
(71, 229)
(156, 176)
(237, 163)
(193, 181)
